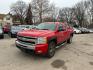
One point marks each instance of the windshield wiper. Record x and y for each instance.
(40, 29)
(36, 28)
(44, 29)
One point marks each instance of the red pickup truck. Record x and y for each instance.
(45, 38)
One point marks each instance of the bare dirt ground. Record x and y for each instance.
(75, 56)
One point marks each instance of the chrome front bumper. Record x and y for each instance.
(25, 46)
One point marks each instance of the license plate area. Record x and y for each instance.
(25, 46)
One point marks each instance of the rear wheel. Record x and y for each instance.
(70, 40)
(51, 49)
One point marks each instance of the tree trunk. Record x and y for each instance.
(40, 16)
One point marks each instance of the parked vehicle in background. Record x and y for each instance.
(77, 31)
(45, 38)
(84, 30)
(90, 30)
(1, 32)
(24, 27)
(6, 28)
(14, 30)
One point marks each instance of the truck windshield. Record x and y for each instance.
(15, 28)
(46, 26)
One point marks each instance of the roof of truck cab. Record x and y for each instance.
(55, 22)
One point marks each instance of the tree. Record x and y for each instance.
(54, 11)
(80, 12)
(65, 14)
(40, 8)
(92, 9)
(52, 14)
(29, 16)
(19, 9)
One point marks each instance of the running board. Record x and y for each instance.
(60, 45)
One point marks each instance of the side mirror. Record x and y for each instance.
(61, 29)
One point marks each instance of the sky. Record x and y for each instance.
(6, 4)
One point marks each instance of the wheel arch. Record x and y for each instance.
(54, 39)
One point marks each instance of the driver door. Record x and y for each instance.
(60, 34)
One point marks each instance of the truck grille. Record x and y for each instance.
(27, 40)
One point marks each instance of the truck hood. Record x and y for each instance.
(36, 33)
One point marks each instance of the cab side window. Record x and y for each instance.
(60, 27)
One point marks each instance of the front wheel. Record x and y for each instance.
(11, 35)
(2, 36)
(51, 49)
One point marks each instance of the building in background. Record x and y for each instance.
(6, 19)
(1, 18)
(9, 19)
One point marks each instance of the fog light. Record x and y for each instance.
(39, 52)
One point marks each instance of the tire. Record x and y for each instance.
(51, 49)
(70, 40)
(74, 32)
(12, 36)
(2, 36)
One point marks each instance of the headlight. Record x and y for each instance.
(42, 40)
